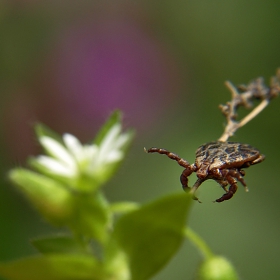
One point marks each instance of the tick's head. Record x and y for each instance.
(202, 172)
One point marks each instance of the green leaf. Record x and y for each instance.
(43, 130)
(114, 118)
(151, 235)
(85, 213)
(53, 267)
(59, 244)
(50, 197)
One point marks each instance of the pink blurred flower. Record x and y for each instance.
(108, 64)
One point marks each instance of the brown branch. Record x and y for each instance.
(256, 90)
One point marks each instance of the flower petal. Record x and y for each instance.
(58, 151)
(55, 166)
(114, 156)
(109, 140)
(73, 145)
(90, 151)
(121, 140)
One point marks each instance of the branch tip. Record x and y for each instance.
(256, 90)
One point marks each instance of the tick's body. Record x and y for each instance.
(220, 161)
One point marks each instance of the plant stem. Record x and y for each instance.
(123, 207)
(199, 243)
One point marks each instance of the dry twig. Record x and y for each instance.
(256, 90)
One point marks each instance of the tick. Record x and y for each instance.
(220, 161)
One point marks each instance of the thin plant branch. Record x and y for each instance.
(199, 243)
(256, 90)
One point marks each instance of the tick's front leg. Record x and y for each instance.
(184, 176)
(184, 179)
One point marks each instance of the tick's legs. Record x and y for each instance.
(195, 187)
(219, 177)
(223, 184)
(228, 176)
(189, 169)
(173, 156)
(238, 174)
(184, 177)
(258, 160)
(232, 190)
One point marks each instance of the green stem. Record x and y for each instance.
(123, 207)
(199, 243)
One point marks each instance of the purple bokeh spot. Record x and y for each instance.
(111, 64)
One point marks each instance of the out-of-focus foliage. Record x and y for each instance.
(65, 189)
(134, 241)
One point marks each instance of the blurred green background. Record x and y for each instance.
(68, 64)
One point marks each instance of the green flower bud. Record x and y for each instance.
(217, 268)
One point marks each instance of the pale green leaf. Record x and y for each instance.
(151, 235)
(53, 267)
(59, 244)
(49, 196)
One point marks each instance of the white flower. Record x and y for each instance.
(74, 158)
